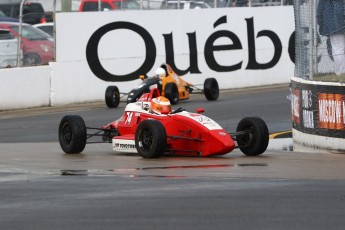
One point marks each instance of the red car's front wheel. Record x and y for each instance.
(254, 136)
(150, 139)
(72, 134)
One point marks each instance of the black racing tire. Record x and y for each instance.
(171, 92)
(31, 59)
(255, 141)
(72, 134)
(150, 139)
(211, 89)
(112, 96)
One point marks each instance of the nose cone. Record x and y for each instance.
(217, 142)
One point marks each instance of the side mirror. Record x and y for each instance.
(200, 110)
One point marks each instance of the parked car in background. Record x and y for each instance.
(47, 27)
(8, 49)
(4, 18)
(241, 3)
(254, 3)
(220, 3)
(38, 46)
(175, 4)
(33, 12)
(92, 5)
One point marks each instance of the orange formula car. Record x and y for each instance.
(169, 84)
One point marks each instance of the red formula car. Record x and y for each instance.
(150, 128)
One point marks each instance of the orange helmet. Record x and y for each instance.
(160, 104)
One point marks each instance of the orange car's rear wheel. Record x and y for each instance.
(112, 97)
(171, 92)
(211, 89)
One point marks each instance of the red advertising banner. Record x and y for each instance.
(331, 111)
(295, 106)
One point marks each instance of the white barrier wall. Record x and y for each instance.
(72, 82)
(240, 47)
(205, 43)
(24, 87)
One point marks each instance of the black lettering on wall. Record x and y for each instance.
(252, 63)
(93, 57)
(291, 48)
(193, 54)
(210, 48)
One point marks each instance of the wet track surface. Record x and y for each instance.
(43, 188)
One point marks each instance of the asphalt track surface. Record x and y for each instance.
(43, 188)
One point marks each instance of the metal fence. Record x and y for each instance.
(320, 40)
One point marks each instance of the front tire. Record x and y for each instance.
(211, 89)
(72, 134)
(254, 140)
(150, 139)
(112, 97)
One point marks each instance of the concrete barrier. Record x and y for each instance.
(24, 87)
(318, 115)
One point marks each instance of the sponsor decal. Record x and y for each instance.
(307, 110)
(124, 145)
(331, 112)
(203, 120)
(129, 118)
(130, 115)
(295, 106)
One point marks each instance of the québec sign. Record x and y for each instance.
(209, 51)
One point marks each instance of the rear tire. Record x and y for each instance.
(171, 92)
(72, 134)
(255, 141)
(112, 97)
(150, 139)
(211, 89)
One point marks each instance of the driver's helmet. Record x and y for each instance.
(159, 104)
(160, 72)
